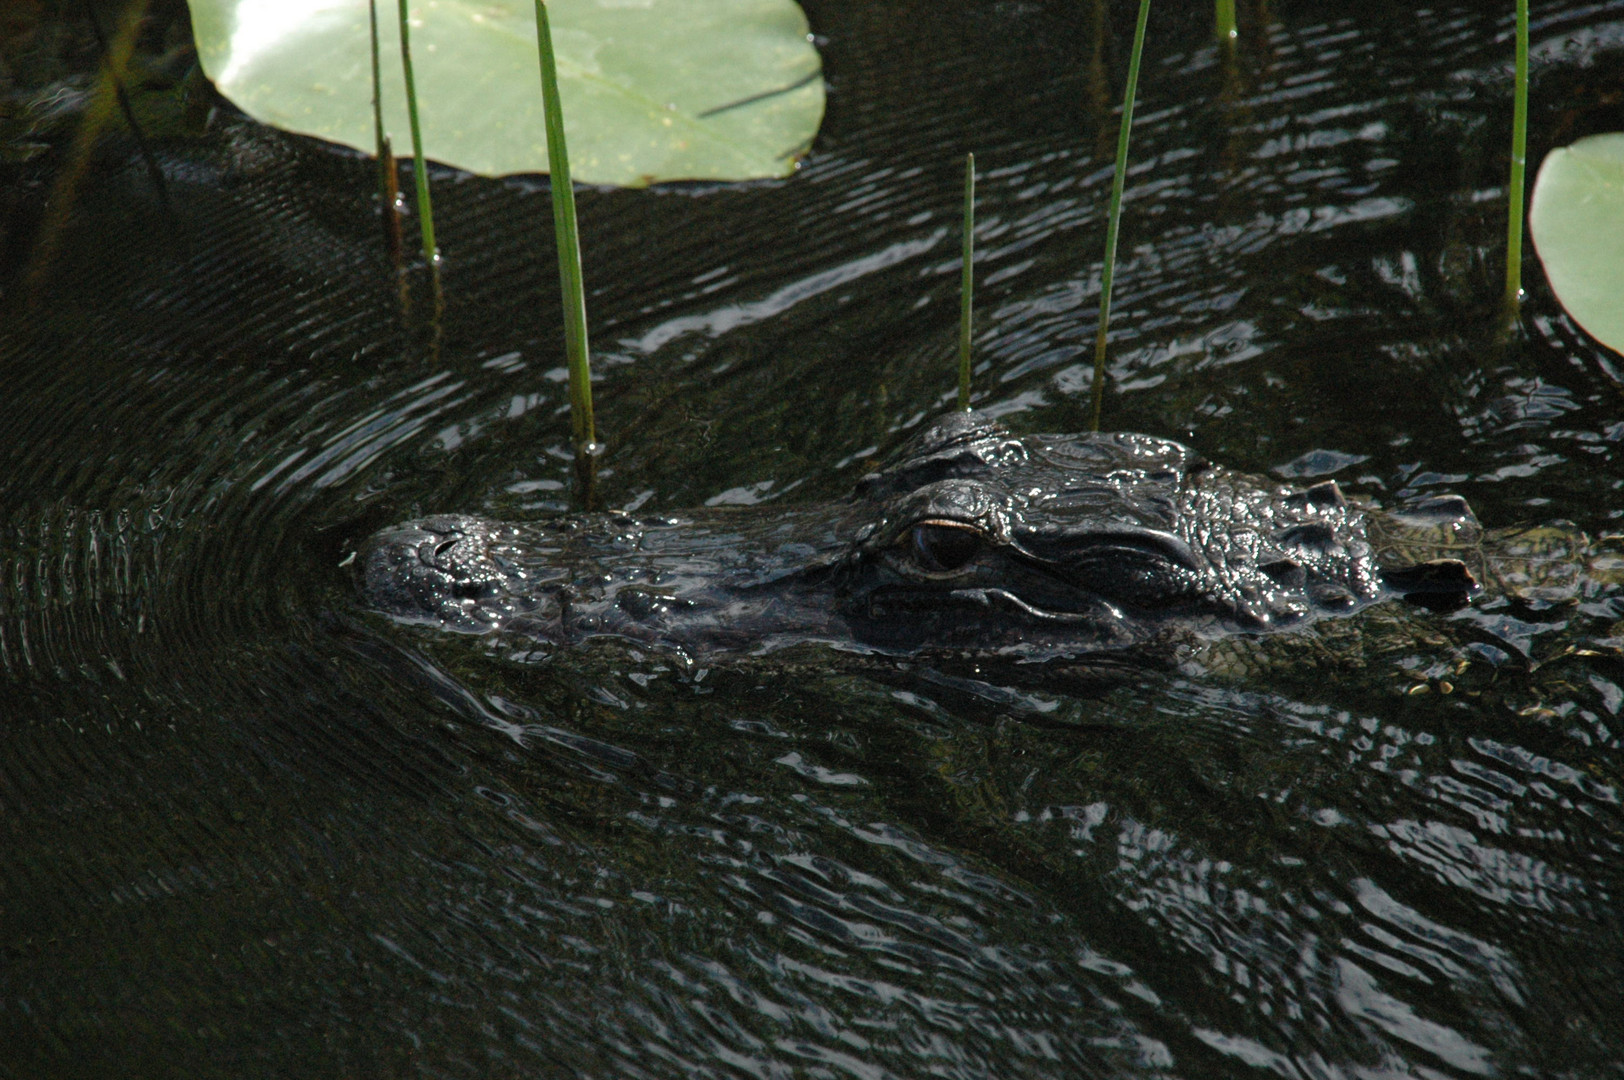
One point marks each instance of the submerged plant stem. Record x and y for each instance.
(569, 252)
(65, 185)
(116, 74)
(388, 178)
(967, 279)
(1519, 165)
(1114, 214)
(425, 209)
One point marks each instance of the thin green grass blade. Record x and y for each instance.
(1114, 213)
(425, 209)
(1226, 21)
(569, 249)
(967, 279)
(1519, 167)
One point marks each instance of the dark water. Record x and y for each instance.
(247, 829)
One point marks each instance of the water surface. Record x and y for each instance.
(248, 829)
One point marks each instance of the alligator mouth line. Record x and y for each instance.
(1008, 601)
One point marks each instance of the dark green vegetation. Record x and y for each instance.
(248, 828)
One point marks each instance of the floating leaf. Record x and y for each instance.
(1577, 219)
(652, 89)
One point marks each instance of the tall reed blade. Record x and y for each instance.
(569, 255)
(377, 80)
(967, 279)
(1226, 22)
(1519, 164)
(1114, 213)
(425, 209)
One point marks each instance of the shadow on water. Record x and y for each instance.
(248, 829)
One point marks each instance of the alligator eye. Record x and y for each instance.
(940, 547)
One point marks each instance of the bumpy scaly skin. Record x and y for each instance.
(972, 542)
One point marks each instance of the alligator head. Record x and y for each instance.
(972, 542)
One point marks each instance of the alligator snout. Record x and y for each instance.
(441, 570)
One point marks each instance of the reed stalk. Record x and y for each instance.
(1226, 21)
(1114, 213)
(967, 279)
(425, 209)
(1519, 166)
(377, 80)
(569, 256)
(388, 178)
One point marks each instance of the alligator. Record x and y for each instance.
(973, 542)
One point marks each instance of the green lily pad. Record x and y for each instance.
(652, 89)
(1576, 216)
